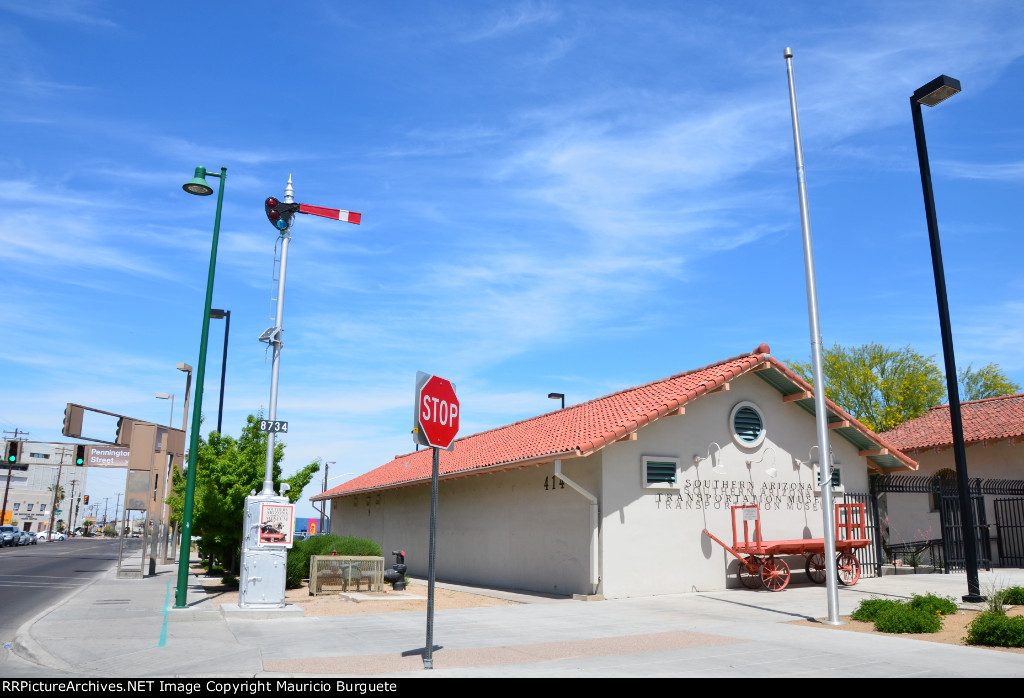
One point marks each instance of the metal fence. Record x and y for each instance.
(1010, 531)
(330, 574)
(869, 557)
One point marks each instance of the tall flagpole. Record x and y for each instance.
(820, 408)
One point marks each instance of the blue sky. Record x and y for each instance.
(557, 196)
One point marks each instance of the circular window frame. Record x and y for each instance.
(739, 440)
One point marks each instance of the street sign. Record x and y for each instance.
(273, 425)
(437, 412)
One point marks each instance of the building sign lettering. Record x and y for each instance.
(722, 494)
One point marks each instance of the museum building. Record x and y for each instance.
(610, 497)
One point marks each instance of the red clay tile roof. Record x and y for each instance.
(575, 431)
(991, 419)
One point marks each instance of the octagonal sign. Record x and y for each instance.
(437, 411)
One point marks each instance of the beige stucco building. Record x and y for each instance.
(611, 496)
(994, 448)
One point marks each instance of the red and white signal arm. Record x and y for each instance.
(436, 421)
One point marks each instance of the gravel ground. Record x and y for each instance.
(413, 599)
(954, 628)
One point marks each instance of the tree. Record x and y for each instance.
(987, 381)
(884, 387)
(227, 470)
(880, 386)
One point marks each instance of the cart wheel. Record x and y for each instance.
(774, 574)
(849, 569)
(815, 568)
(748, 578)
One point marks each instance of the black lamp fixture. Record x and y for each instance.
(558, 396)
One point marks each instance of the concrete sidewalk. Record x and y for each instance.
(126, 629)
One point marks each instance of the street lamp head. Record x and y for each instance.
(164, 396)
(218, 313)
(197, 185)
(185, 368)
(938, 90)
(556, 396)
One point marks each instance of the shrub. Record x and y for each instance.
(869, 609)
(995, 630)
(903, 618)
(1013, 596)
(229, 580)
(298, 556)
(934, 604)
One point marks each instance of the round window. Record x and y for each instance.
(747, 425)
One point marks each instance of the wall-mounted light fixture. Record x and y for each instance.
(718, 468)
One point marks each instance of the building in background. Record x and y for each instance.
(30, 495)
(611, 496)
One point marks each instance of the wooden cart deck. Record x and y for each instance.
(759, 561)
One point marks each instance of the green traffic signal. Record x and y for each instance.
(79, 455)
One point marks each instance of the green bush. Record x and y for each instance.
(229, 580)
(995, 630)
(869, 609)
(934, 604)
(298, 556)
(1013, 596)
(903, 618)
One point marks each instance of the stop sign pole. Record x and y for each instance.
(436, 422)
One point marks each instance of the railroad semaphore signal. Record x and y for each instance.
(280, 213)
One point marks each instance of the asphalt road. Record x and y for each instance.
(35, 577)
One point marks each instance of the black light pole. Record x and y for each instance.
(937, 90)
(217, 314)
(557, 396)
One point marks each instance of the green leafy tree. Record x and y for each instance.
(227, 470)
(884, 387)
(987, 381)
(879, 385)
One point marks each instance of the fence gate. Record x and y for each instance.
(869, 557)
(1010, 531)
(952, 529)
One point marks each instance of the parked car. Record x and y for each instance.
(24, 538)
(9, 535)
(55, 535)
(32, 538)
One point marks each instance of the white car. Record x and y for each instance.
(56, 535)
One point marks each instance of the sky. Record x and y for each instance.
(573, 197)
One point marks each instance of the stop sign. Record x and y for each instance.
(437, 411)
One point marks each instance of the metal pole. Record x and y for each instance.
(181, 591)
(428, 654)
(820, 408)
(969, 533)
(223, 370)
(268, 473)
(56, 488)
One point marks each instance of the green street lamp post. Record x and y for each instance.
(198, 186)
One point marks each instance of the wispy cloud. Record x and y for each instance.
(514, 19)
(67, 11)
(1004, 172)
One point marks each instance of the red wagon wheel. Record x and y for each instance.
(849, 569)
(815, 568)
(749, 573)
(774, 574)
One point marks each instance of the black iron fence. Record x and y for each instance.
(948, 552)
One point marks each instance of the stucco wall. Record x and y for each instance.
(502, 529)
(506, 530)
(652, 540)
(910, 516)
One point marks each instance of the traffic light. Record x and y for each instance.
(79, 455)
(279, 213)
(86, 499)
(12, 451)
